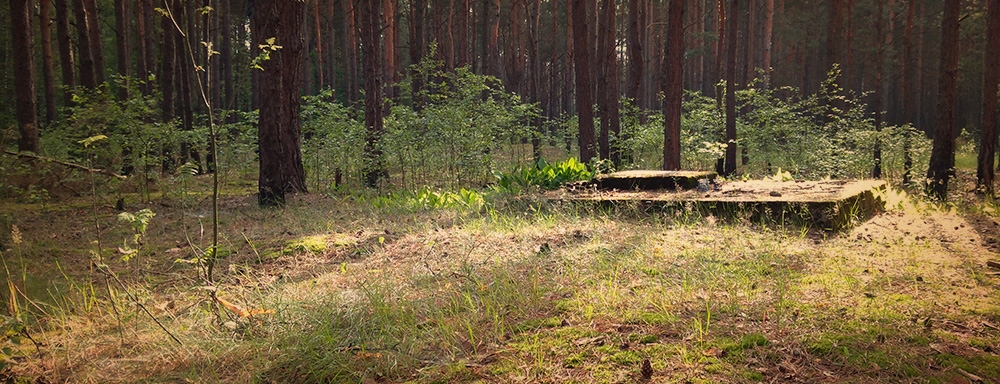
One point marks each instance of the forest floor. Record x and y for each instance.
(513, 289)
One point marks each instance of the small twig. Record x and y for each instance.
(105, 270)
(65, 164)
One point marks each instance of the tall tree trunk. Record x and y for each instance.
(370, 34)
(462, 34)
(492, 38)
(581, 60)
(141, 70)
(320, 57)
(534, 67)
(568, 61)
(768, 38)
(66, 62)
(673, 88)
(279, 127)
(991, 76)
(720, 54)
(24, 75)
(906, 87)
(877, 96)
(330, 13)
(942, 163)
(168, 64)
(608, 83)
(94, 33)
(226, 56)
(48, 70)
(448, 43)
(122, 30)
(390, 47)
(417, 9)
(87, 75)
(731, 29)
(351, 51)
(636, 29)
(835, 43)
(147, 13)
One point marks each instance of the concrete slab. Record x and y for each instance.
(829, 204)
(648, 180)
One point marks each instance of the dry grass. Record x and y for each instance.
(518, 291)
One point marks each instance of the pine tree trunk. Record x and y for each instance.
(390, 48)
(141, 70)
(66, 61)
(991, 76)
(608, 84)
(942, 163)
(122, 47)
(351, 52)
(636, 29)
(168, 64)
(462, 34)
(94, 33)
(877, 96)
(534, 67)
(731, 45)
(24, 75)
(720, 54)
(87, 75)
(906, 87)
(581, 60)
(417, 8)
(226, 56)
(493, 38)
(48, 70)
(768, 38)
(149, 37)
(673, 88)
(279, 132)
(368, 13)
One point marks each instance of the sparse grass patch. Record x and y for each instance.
(515, 290)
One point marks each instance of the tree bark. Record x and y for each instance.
(122, 47)
(320, 57)
(417, 9)
(673, 88)
(720, 54)
(66, 61)
(991, 76)
(48, 70)
(24, 74)
(581, 60)
(390, 47)
(149, 37)
(94, 33)
(608, 84)
(942, 163)
(87, 75)
(731, 29)
(370, 34)
(462, 34)
(906, 87)
(768, 39)
(534, 66)
(493, 38)
(142, 71)
(168, 61)
(877, 96)
(636, 29)
(226, 56)
(279, 127)
(351, 51)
